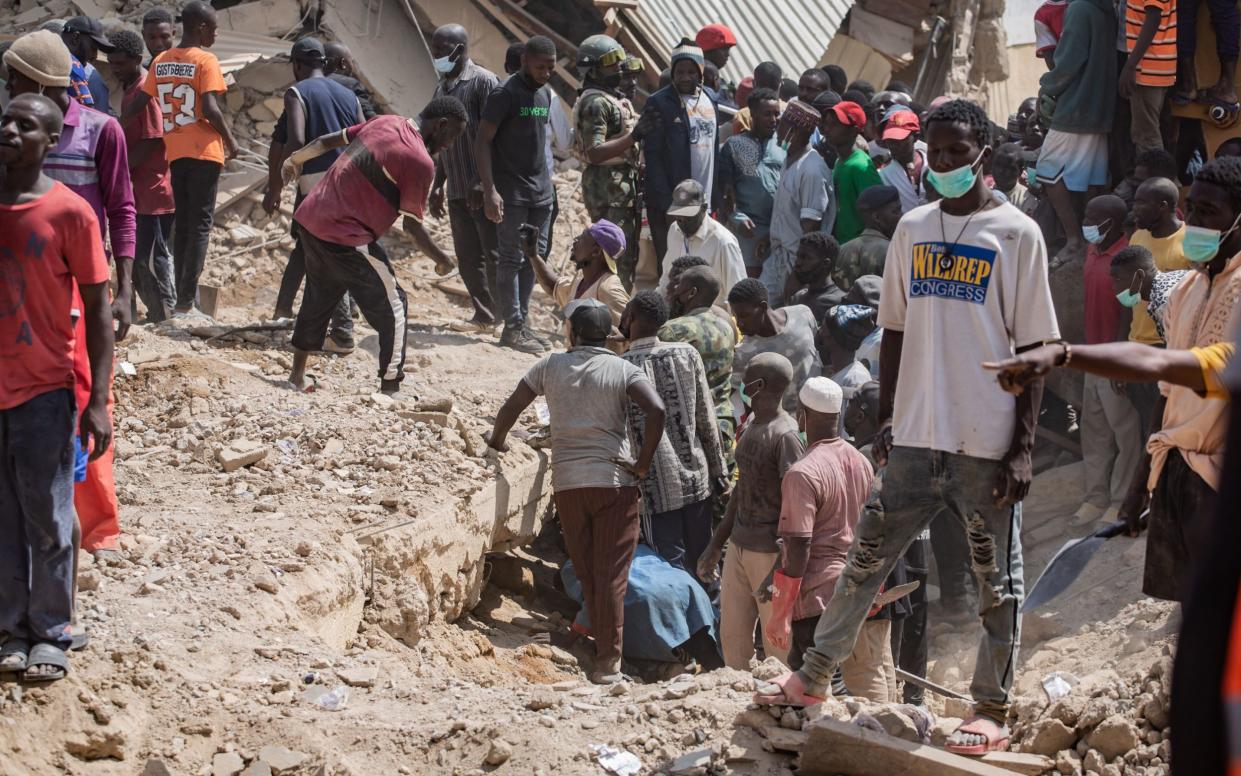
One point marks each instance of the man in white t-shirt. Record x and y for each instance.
(965, 279)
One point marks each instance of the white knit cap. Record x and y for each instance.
(821, 395)
(40, 56)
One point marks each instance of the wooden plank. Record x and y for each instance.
(1020, 762)
(886, 36)
(616, 3)
(786, 740)
(910, 12)
(859, 60)
(521, 31)
(563, 44)
(833, 747)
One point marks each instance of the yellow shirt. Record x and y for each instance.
(1142, 329)
(1166, 250)
(1213, 360)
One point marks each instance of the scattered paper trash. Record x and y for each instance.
(329, 700)
(1057, 684)
(127, 369)
(617, 761)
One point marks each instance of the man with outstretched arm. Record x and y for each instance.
(386, 172)
(594, 475)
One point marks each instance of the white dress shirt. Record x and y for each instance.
(713, 242)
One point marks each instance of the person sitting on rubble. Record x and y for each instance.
(593, 256)
(594, 474)
(386, 172)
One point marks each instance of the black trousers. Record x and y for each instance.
(295, 272)
(194, 184)
(474, 240)
(153, 280)
(331, 271)
(909, 637)
(1178, 531)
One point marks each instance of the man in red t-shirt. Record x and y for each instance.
(385, 173)
(49, 242)
(1112, 441)
(148, 171)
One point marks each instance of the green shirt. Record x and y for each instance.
(852, 175)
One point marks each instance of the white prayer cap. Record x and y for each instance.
(821, 395)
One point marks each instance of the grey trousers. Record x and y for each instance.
(1112, 443)
(919, 485)
(1144, 107)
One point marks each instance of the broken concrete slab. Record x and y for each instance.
(359, 676)
(282, 760)
(239, 453)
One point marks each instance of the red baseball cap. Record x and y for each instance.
(900, 124)
(849, 113)
(715, 36)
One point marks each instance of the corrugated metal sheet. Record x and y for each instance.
(794, 35)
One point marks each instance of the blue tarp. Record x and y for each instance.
(664, 607)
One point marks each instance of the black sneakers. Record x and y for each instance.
(523, 340)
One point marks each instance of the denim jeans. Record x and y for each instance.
(36, 518)
(515, 276)
(919, 485)
(153, 281)
(194, 184)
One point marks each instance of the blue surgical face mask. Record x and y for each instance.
(1201, 244)
(1031, 177)
(955, 183)
(1129, 298)
(1094, 233)
(444, 65)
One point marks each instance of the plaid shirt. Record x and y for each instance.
(689, 454)
(79, 86)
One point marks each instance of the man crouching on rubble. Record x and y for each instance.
(386, 171)
(953, 441)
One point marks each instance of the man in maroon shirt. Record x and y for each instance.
(1111, 427)
(385, 173)
(148, 171)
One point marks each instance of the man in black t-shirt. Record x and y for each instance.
(510, 153)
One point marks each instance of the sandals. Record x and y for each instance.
(996, 737)
(788, 690)
(14, 655)
(44, 655)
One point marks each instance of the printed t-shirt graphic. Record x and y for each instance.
(177, 81)
(951, 271)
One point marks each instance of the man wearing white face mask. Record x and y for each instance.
(965, 275)
(1111, 427)
(456, 177)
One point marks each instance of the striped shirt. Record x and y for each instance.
(689, 453)
(92, 161)
(1158, 66)
(457, 161)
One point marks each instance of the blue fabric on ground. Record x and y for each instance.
(664, 607)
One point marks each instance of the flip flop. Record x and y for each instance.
(81, 639)
(787, 690)
(14, 655)
(997, 736)
(46, 654)
(312, 385)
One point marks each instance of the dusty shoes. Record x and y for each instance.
(523, 340)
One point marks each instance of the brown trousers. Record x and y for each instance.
(601, 534)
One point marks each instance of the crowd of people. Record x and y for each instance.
(738, 397)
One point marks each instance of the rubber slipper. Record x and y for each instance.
(996, 735)
(788, 690)
(81, 639)
(311, 385)
(46, 654)
(14, 655)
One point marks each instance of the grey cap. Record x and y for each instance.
(309, 50)
(589, 317)
(688, 198)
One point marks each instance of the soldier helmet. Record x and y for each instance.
(599, 51)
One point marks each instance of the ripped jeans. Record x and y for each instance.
(922, 484)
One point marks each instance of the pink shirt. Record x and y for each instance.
(822, 498)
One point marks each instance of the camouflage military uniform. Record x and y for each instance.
(610, 190)
(863, 255)
(712, 336)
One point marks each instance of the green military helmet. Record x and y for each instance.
(599, 51)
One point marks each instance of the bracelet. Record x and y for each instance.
(1067, 354)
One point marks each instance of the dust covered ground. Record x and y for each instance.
(260, 622)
